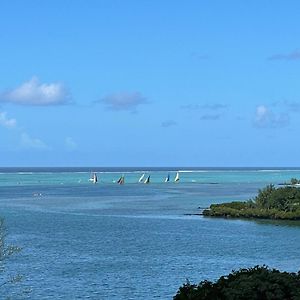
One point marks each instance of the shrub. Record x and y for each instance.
(258, 282)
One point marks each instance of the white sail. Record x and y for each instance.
(167, 178)
(121, 180)
(147, 180)
(141, 178)
(93, 178)
(176, 177)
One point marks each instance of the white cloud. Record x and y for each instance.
(262, 114)
(6, 122)
(32, 143)
(266, 118)
(70, 143)
(33, 92)
(124, 101)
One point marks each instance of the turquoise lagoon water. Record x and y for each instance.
(135, 241)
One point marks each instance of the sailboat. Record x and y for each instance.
(141, 178)
(167, 178)
(121, 180)
(94, 178)
(176, 177)
(147, 180)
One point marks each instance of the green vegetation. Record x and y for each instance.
(295, 181)
(270, 203)
(246, 284)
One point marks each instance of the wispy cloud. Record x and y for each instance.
(210, 117)
(29, 142)
(26, 141)
(33, 92)
(168, 123)
(190, 106)
(292, 106)
(124, 101)
(199, 56)
(266, 118)
(209, 111)
(214, 106)
(287, 105)
(70, 144)
(207, 106)
(294, 55)
(7, 122)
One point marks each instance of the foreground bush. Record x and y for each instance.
(259, 283)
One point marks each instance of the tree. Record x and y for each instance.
(294, 181)
(257, 283)
(263, 196)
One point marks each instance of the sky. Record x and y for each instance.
(149, 83)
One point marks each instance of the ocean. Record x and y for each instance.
(82, 240)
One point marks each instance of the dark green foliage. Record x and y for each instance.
(295, 181)
(235, 205)
(246, 284)
(285, 199)
(270, 203)
(263, 196)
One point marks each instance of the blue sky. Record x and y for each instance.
(149, 83)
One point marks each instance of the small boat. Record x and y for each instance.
(167, 178)
(147, 180)
(121, 180)
(142, 178)
(176, 177)
(94, 178)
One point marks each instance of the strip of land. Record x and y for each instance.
(271, 203)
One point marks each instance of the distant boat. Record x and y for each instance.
(141, 178)
(121, 180)
(147, 180)
(167, 178)
(94, 178)
(176, 177)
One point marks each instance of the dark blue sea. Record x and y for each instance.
(136, 241)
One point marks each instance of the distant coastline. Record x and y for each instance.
(16, 169)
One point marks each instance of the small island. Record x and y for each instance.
(271, 203)
(292, 182)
